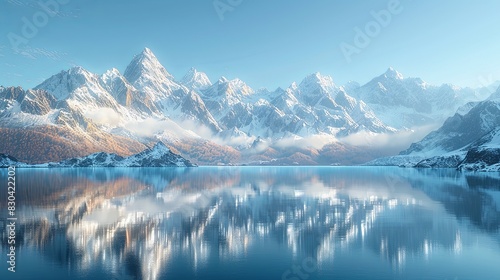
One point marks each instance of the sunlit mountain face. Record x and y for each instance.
(212, 222)
(313, 121)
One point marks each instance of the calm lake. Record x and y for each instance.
(253, 223)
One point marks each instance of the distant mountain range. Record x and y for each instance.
(469, 140)
(76, 112)
(158, 156)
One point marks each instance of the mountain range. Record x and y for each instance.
(157, 156)
(76, 112)
(468, 140)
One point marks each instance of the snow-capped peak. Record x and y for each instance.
(146, 66)
(237, 86)
(147, 51)
(196, 80)
(65, 82)
(111, 75)
(224, 87)
(113, 72)
(391, 73)
(222, 80)
(316, 81)
(113, 81)
(78, 70)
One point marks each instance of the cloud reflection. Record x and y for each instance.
(138, 221)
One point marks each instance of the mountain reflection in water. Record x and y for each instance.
(148, 223)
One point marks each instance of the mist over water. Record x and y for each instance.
(255, 223)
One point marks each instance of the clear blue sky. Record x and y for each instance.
(267, 43)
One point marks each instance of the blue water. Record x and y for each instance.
(254, 223)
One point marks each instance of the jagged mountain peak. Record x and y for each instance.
(77, 70)
(391, 73)
(158, 156)
(222, 80)
(146, 66)
(237, 81)
(147, 54)
(112, 72)
(62, 84)
(112, 75)
(318, 78)
(10, 89)
(192, 71)
(196, 80)
(147, 51)
(239, 87)
(315, 85)
(234, 86)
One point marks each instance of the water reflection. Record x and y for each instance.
(138, 222)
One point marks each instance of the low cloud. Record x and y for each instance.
(196, 128)
(104, 116)
(315, 141)
(151, 127)
(238, 141)
(391, 142)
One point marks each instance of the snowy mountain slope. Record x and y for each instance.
(167, 97)
(408, 102)
(316, 89)
(126, 94)
(146, 72)
(196, 80)
(154, 84)
(483, 154)
(469, 140)
(147, 103)
(31, 106)
(37, 127)
(80, 88)
(157, 156)
(327, 108)
(307, 109)
(20, 108)
(460, 130)
(224, 94)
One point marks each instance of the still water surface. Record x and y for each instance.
(254, 223)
